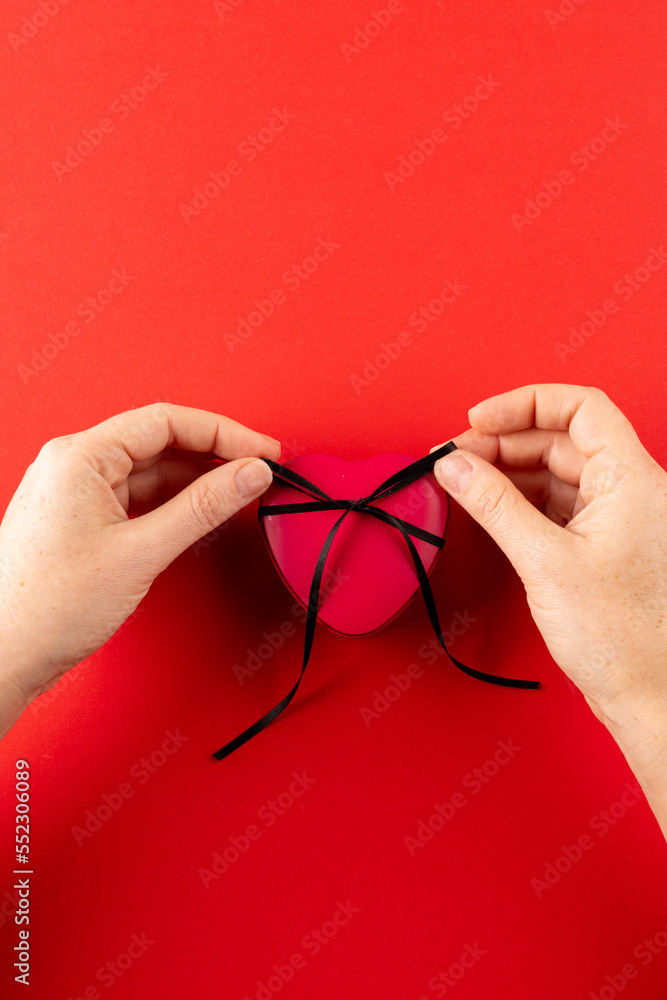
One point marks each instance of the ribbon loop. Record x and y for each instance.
(321, 501)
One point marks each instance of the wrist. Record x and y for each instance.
(639, 727)
(13, 701)
(23, 674)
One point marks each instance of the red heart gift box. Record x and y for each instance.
(369, 575)
(355, 561)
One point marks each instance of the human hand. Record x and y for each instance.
(74, 565)
(580, 509)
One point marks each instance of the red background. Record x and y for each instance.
(163, 338)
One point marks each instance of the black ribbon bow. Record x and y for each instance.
(322, 501)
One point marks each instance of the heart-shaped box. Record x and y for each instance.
(369, 575)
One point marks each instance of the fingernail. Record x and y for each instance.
(436, 446)
(278, 445)
(453, 471)
(252, 479)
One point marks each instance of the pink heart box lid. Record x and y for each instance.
(369, 575)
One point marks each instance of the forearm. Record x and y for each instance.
(13, 700)
(640, 729)
(20, 675)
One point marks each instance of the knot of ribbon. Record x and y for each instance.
(322, 501)
(354, 504)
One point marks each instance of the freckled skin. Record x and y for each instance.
(74, 565)
(580, 509)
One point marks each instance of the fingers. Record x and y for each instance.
(484, 445)
(592, 420)
(139, 435)
(553, 449)
(556, 499)
(493, 500)
(163, 533)
(159, 481)
(553, 489)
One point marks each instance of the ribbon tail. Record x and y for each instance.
(322, 501)
(429, 601)
(411, 473)
(311, 621)
(296, 481)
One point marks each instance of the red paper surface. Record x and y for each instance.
(344, 363)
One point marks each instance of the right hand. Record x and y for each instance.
(580, 509)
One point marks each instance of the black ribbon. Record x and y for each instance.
(404, 477)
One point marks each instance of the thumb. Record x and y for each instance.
(213, 498)
(520, 530)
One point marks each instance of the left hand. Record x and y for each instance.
(74, 565)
